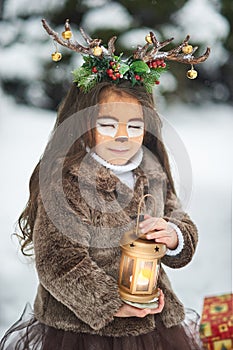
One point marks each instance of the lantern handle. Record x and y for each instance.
(139, 209)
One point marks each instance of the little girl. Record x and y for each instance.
(105, 154)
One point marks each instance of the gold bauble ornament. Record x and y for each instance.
(97, 51)
(56, 56)
(192, 74)
(148, 39)
(67, 34)
(187, 49)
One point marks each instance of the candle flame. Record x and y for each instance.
(144, 277)
(146, 273)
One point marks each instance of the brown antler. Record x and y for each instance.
(93, 44)
(182, 53)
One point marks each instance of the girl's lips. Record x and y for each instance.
(118, 150)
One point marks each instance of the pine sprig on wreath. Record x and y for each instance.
(115, 69)
(149, 80)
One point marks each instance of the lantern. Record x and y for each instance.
(139, 267)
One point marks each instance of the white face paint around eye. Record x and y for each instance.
(109, 127)
(135, 128)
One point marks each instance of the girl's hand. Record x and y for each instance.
(131, 311)
(159, 230)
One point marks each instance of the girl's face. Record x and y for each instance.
(119, 128)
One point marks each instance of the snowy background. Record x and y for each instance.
(206, 131)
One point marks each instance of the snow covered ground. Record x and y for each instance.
(207, 135)
(206, 132)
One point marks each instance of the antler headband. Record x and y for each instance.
(143, 67)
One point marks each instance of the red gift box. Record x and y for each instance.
(216, 329)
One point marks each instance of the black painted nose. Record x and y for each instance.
(122, 139)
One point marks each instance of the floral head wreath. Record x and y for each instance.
(142, 68)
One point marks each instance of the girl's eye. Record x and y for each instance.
(135, 127)
(107, 125)
(107, 128)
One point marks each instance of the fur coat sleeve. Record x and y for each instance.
(174, 213)
(64, 266)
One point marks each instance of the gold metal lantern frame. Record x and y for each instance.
(140, 264)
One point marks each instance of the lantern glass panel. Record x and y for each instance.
(127, 272)
(144, 275)
(156, 275)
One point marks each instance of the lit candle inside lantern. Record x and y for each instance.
(143, 279)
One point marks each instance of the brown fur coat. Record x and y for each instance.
(76, 243)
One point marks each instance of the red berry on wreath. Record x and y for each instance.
(137, 77)
(94, 70)
(157, 82)
(150, 64)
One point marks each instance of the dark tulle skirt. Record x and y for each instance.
(29, 334)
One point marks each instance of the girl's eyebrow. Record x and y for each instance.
(136, 119)
(117, 120)
(107, 117)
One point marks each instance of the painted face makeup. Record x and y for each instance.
(109, 126)
(119, 128)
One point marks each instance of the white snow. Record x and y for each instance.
(112, 15)
(205, 25)
(207, 135)
(202, 21)
(134, 37)
(95, 3)
(23, 135)
(20, 63)
(12, 8)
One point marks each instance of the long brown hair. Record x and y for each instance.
(74, 102)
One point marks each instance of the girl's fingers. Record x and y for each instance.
(131, 311)
(161, 304)
(158, 235)
(142, 312)
(147, 216)
(151, 224)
